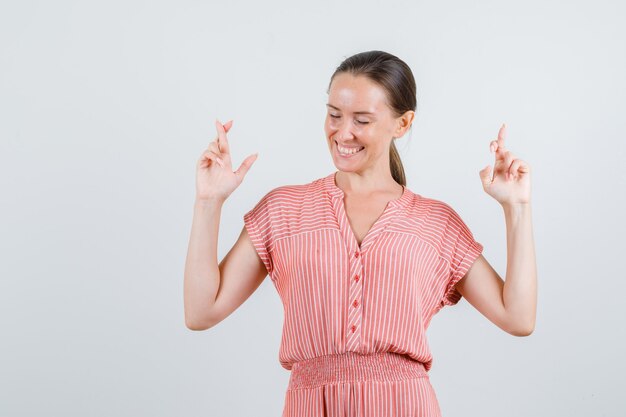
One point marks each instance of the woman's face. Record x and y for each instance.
(360, 123)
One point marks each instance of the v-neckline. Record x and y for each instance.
(389, 213)
(349, 223)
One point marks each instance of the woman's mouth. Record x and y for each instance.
(348, 151)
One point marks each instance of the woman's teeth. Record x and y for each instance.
(349, 151)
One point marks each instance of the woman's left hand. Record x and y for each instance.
(511, 179)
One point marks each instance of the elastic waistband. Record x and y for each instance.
(352, 366)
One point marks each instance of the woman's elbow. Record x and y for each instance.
(196, 326)
(522, 330)
(198, 323)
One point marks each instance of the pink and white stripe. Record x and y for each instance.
(355, 316)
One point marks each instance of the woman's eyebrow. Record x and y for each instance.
(356, 112)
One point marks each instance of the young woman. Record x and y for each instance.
(361, 263)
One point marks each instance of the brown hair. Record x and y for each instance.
(396, 78)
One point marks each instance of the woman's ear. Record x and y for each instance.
(404, 123)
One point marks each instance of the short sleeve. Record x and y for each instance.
(258, 223)
(461, 252)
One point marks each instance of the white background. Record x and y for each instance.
(106, 106)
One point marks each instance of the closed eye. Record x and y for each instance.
(358, 121)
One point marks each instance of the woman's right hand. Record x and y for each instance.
(215, 178)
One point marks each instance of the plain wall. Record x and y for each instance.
(106, 106)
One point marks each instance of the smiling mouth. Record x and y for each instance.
(348, 151)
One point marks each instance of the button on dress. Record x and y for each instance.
(355, 316)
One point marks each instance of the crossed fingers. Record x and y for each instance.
(219, 147)
(505, 160)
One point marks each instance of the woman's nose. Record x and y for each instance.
(343, 131)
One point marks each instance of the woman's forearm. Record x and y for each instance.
(520, 288)
(202, 274)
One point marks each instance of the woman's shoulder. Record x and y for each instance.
(292, 193)
(433, 211)
(425, 203)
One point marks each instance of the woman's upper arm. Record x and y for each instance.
(482, 287)
(241, 273)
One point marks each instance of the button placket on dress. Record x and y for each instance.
(355, 297)
(356, 255)
(354, 317)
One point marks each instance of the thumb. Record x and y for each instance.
(245, 165)
(485, 176)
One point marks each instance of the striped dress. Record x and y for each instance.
(355, 316)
